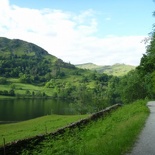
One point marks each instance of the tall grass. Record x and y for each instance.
(112, 135)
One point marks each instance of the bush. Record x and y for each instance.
(3, 80)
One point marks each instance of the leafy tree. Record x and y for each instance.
(11, 92)
(147, 67)
(13, 86)
(5, 92)
(112, 92)
(33, 93)
(132, 87)
(3, 80)
(27, 92)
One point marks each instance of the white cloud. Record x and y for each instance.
(112, 50)
(68, 36)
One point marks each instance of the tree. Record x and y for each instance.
(3, 80)
(11, 92)
(112, 92)
(132, 87)
(27, 92)
(147, 67)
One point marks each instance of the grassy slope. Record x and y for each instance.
(113, 135)
(88, 66)
(21, 88)
(116, 69)
(30, 128)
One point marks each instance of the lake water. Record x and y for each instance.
(12, 110)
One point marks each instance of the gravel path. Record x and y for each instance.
(145, 144)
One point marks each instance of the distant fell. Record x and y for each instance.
(88, 66)
(116, 69)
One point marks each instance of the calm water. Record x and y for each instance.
(24, 109)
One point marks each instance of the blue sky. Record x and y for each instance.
(116, 17)
(102, 31)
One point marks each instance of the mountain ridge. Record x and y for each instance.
(117, 69)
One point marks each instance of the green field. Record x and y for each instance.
(30, 128)
(22, 88)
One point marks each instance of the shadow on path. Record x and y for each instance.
(145, 144)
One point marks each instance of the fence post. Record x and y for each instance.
(4, 146)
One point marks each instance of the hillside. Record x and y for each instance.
(28, 71)
(12, 47)
(116, 69)
(88, 66)
(29, 62)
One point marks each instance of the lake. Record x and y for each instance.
(13, 110)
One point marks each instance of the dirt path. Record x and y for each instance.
(145, 144)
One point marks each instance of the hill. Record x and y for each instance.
(18, 47)
(88, 66)
(28, 71)
(116, 69)
(29, 62)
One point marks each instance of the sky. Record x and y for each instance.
(103, 32)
